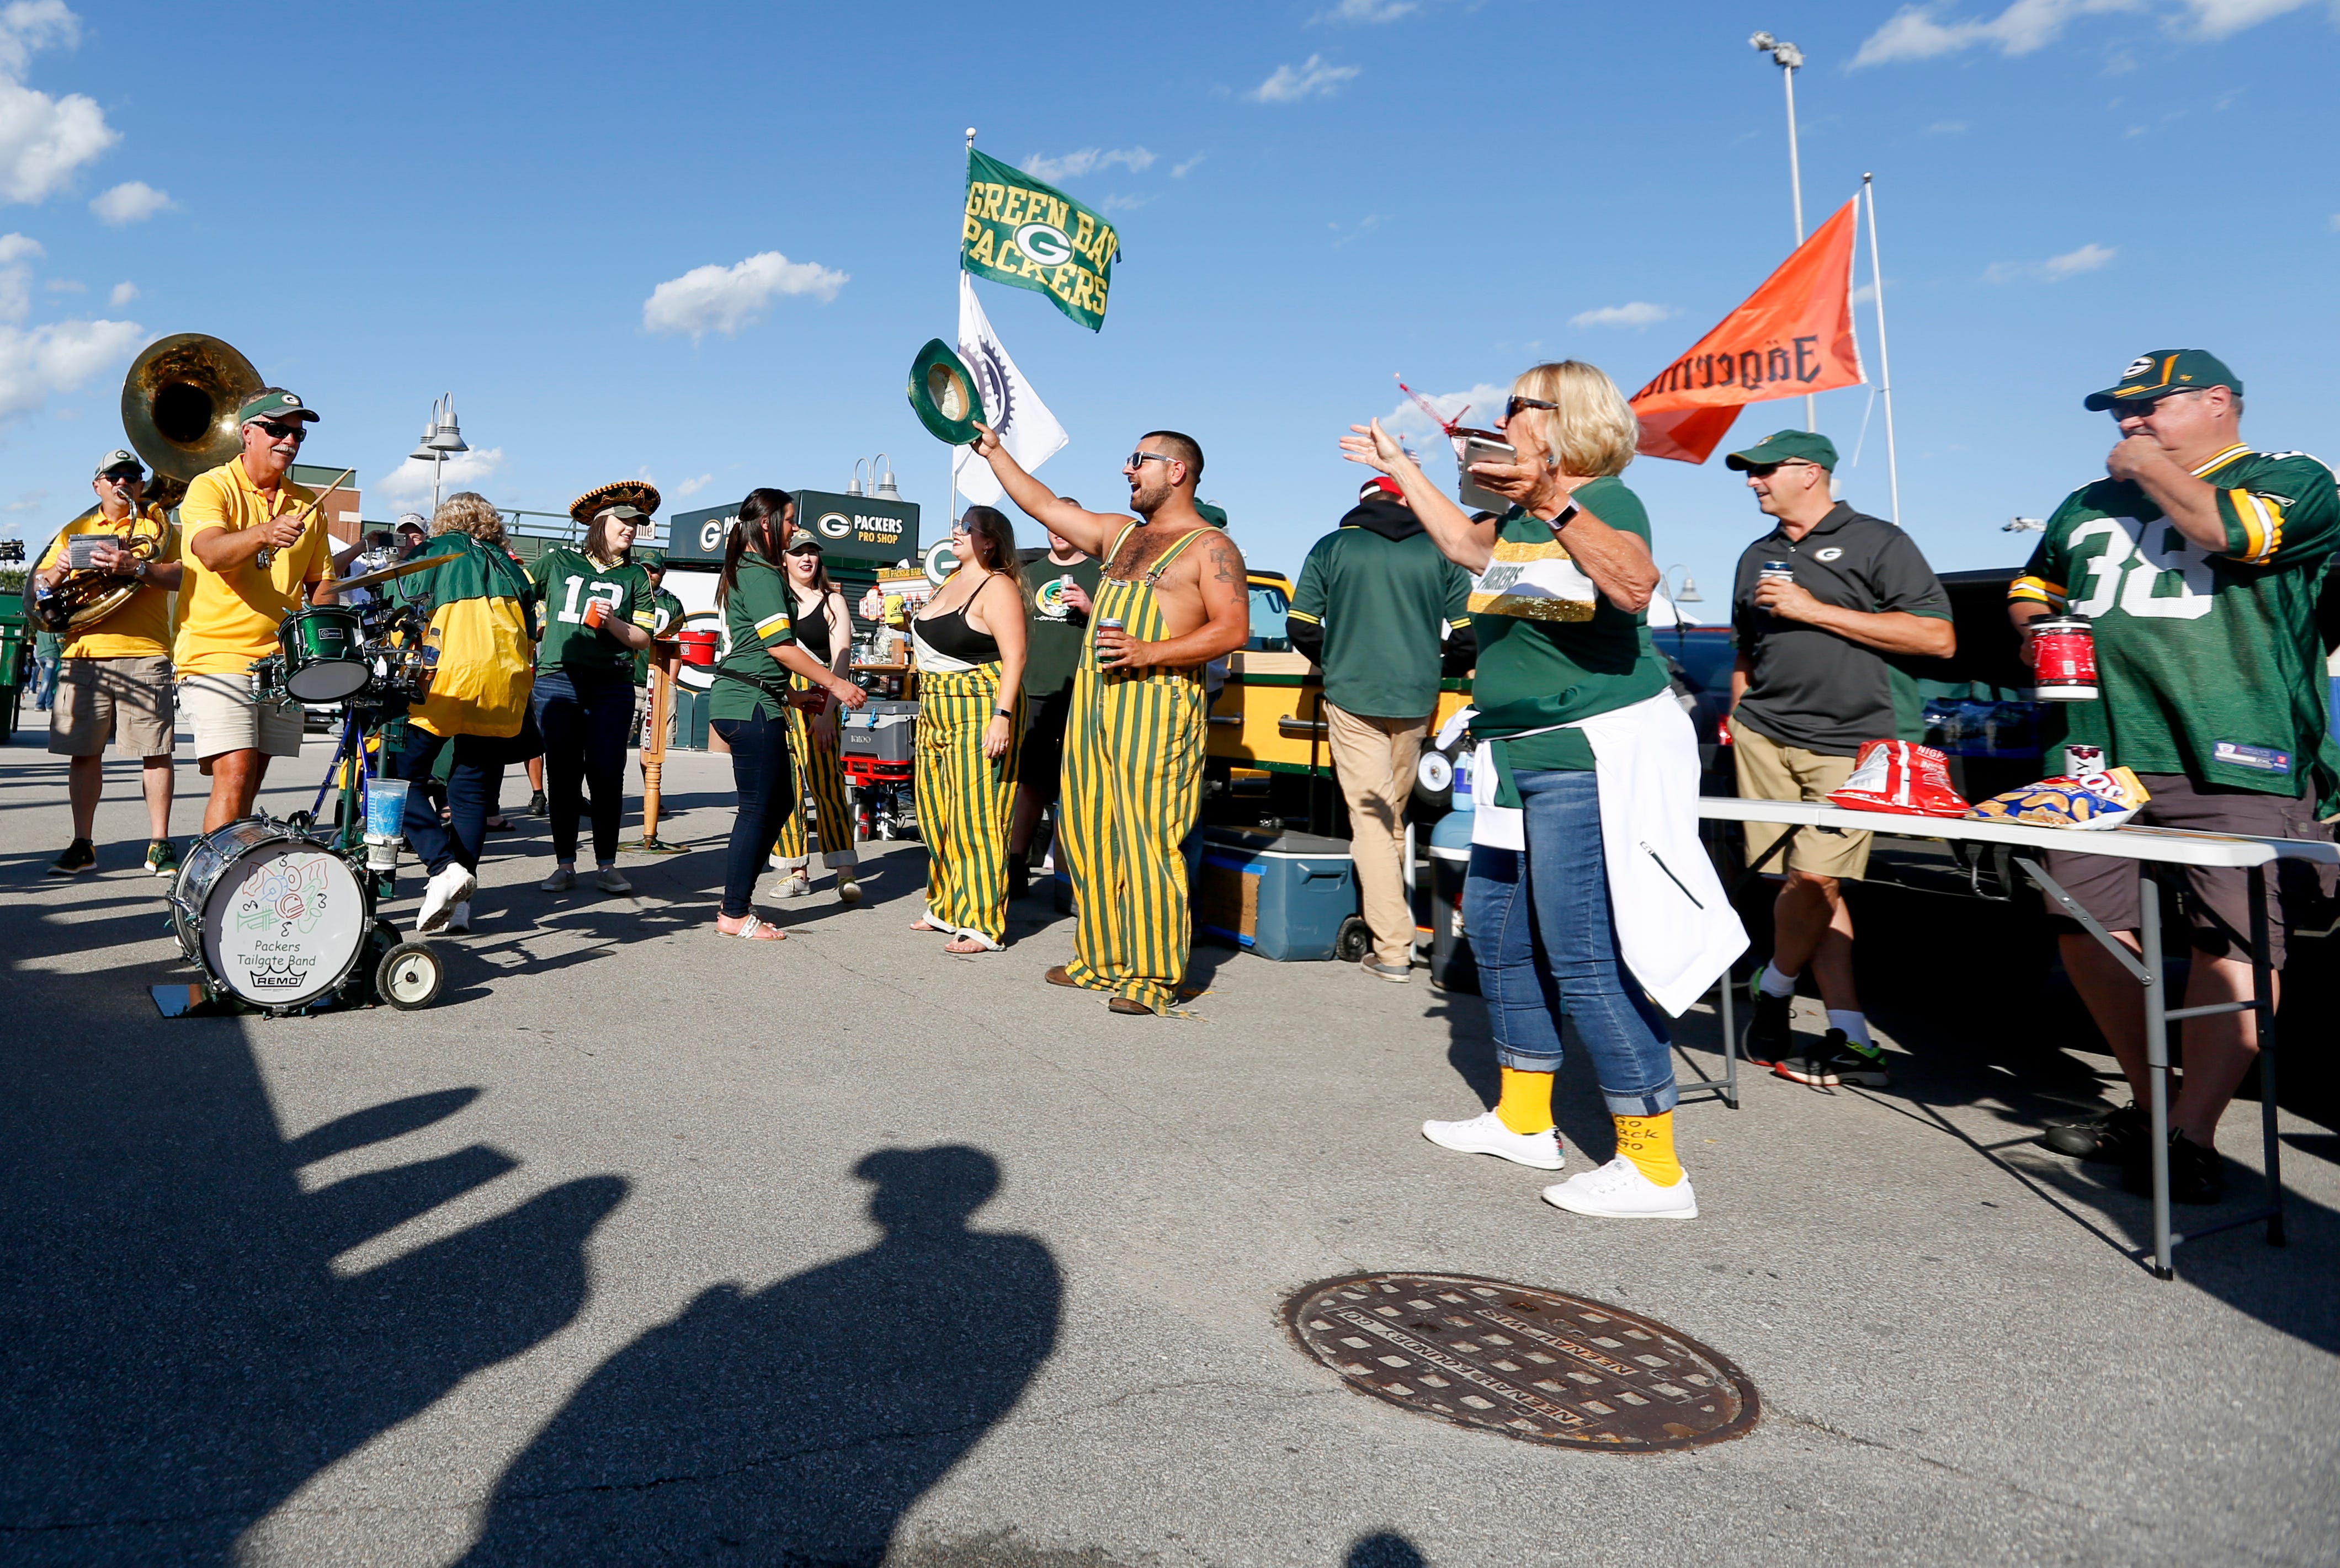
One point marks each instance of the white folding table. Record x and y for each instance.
(2155, 849)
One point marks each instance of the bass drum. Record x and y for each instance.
(272, 914)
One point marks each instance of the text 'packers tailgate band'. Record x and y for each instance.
(1133, 782)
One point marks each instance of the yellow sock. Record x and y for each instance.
(1526, 1104)
(1649, 1142)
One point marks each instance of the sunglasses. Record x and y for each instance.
(1513, 405)
(1139, 459)
(2139, 408)
(283, 429)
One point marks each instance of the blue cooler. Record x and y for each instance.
(1282, 895)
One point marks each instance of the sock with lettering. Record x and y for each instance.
(1855, 1025)
(1649, 1142)
(1526, 1103)
(1776, 984)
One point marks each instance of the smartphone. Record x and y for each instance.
(1482, 450)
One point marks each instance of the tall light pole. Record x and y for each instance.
(1790, 59)
(441, 440)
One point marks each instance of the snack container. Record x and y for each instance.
(2064, 659)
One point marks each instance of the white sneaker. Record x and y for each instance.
(462, 919)
(562, 879)
(442, 893)
(1619, 1190)
(610, 879)
(1486, 1134)
(795, 885)
(849, 886)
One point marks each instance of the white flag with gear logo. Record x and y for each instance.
(1026, 428)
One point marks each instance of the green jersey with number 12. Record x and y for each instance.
(571, 580)
(2208, 660)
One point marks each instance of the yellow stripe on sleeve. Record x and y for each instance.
(1304, 616)
(2262, 520)
(777, 622)
(2037, 590)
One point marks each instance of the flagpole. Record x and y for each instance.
(1884, 359)
(950, 513)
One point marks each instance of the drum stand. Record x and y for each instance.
(658, 721)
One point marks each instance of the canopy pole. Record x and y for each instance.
(1884, 359)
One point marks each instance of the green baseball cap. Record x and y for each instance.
(274, 403)
(2150, 377)
(1785, 447)
(1214, 516)
(650, 560)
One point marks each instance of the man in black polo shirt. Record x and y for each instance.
(1812, 681)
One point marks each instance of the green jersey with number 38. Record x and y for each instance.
(2209, 661)
(571, 580)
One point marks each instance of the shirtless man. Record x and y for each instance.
(1172, 599)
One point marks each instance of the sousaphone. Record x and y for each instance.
(179, 403)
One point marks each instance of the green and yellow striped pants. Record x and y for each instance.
(1133, 784)
(819, 773)
(964, 799)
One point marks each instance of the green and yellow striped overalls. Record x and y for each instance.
(1133, 782)
(818, 772)
(964, 799)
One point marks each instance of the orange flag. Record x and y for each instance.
(1792, 336)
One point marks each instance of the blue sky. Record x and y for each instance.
(379, 203)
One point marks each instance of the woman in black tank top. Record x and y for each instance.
(970, 653)
(825, 632)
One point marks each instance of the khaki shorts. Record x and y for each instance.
(1769, 771)
(220, 711)
(127, 701)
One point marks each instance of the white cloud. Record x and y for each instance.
(1179, 171)
(2055, 269)
(410, 480)
(1367, 11)
(1311, 78)
(692, 486)
(1946, 128)
(58, 358)
(1117, 203)
(15, 278)
(15, 246)
(1478, 407)
(123, 294)
(30, 501)
(133, 202)
(2333, 223)
(1637, 313)
(43, 140)
(1917, 32)
(2214, 19)
(66, 286)
(2072, 263)
(714, 299)
(1072, 166)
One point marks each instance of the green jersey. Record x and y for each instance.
(1552, 649)
(2207, 661)
(759, 613)
(570, 580)
(1386, 598)
(1052, 649)
(666, 611)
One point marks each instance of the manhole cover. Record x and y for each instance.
(1527, 1363)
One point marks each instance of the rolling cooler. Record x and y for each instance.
(1282, 895)
(876, 747)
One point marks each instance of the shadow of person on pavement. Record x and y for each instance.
(1383, 1549)
(798, 1422)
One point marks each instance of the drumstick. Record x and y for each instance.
(267, 557)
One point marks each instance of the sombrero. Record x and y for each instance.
(640, 494)
(943, 394)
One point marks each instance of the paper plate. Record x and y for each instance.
(943, 394)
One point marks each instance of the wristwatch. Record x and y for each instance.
(1566, 515)
(139, 571)
(1003, 712)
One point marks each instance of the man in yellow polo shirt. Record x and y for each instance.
(115, 673)
(255, 548)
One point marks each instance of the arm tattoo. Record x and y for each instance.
(1228, 562)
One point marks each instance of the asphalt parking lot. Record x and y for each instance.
(644, 1245)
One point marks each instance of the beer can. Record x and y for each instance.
(2064, 659)
(1113, 622)
(1776, 572)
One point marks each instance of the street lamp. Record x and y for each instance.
(1687, 594)
(1790, 59)
(441, 440)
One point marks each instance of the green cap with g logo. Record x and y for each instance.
(1785, 447)
(2156, 375)
(274, 403)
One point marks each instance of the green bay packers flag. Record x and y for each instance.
(1033, 236)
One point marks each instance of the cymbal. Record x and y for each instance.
(404, 569)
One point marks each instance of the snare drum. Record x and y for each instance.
(272, 914)
(322, 652)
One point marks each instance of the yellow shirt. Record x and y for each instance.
(226, 620)
(141, 628)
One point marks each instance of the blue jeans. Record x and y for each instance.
(1547, 948)
(586, 724)
(759, 769)
(471, 787)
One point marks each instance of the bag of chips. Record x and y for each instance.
(1901, 777)
(2099, 801)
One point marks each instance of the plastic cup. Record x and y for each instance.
(385, 815)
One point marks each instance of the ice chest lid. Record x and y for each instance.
(1275, 843)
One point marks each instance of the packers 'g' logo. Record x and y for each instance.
(1044, 243)
(2137, 367)
(836, 524)
(711, 532)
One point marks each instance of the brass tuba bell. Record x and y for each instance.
(178, 408)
